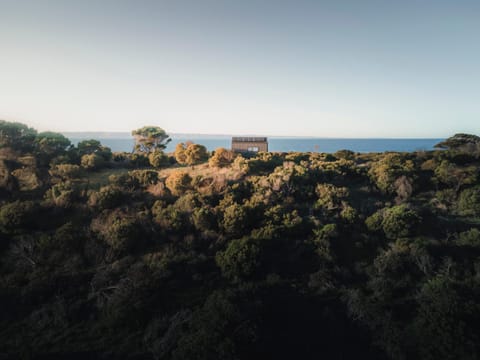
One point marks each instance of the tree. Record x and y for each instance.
(180, 153)
(52, 143)
(240, 260)
(158, 159)
(150, 138)
(66, 171)
(92, 161)
(399, 221)
(469, 202)
(195, 154)
(16, 135)
(222, 158)
(462, 142)
(17, 215)
(92, 146)
(234, 220)
(178, 182)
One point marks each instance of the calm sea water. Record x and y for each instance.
(292, 144)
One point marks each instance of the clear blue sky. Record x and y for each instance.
(301, 67)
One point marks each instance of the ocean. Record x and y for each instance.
(277, 144)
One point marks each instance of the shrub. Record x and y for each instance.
(143, 178)
(469, 202)
(222, 158)
(120, 231)
(178, 182)
(240, 260)
(399, 221)
(158, 159)
(62, 194)
(92, 162)
(66, 171)
(17, 215)
(106, 198)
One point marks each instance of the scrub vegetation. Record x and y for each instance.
(194, 255)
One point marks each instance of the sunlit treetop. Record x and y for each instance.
(150, 138)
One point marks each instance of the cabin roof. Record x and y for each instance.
(248, 139)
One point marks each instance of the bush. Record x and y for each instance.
(142, 178)
(107, 197)
(399, 221)
(158, 159)
(240, 260)
(120, 231)
(178, 182)
(469, 202)
(374, 222)
(17, 215)
(222, 158)
(92, 162)
(66, 171)
(62, 194)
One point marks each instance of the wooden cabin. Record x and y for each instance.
(249, 144)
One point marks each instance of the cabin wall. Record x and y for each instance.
(249, 146)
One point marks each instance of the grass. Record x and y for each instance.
(97, 179)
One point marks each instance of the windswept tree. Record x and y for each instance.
(16, 135)
(150, 138)
(52, 143)
(462, 142)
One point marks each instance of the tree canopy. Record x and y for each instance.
(150, 138)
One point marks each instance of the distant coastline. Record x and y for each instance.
(123, 141)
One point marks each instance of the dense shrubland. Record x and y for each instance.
(292, 255)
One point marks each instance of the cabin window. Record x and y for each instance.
(253, 148)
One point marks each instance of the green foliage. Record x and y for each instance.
(399, 221)
(329, 196)
(469, 202)
(282, 255)
(91, 146)
(17, 215)
(169, 218)
(449, 174)
(93, 162)
(469, 238)
(138, 160)
(16, 135)
(150, 138)
(122, 232)
(441, 329)
(462, 142)
(51, 143)
(240, 260)
(142, 178)
(64, 194)
(374, 221)
(234, 220)
(158, 159)
(66, 171)
(107, 197)
(390, 167)
(344, 154)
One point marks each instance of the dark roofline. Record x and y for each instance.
(248, 139)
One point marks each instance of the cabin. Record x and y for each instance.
(249, 144)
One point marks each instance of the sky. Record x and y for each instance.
(339, 68)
